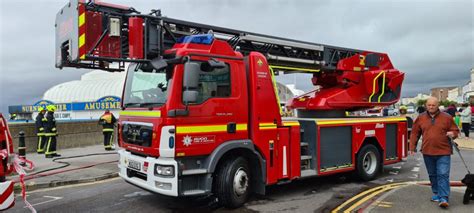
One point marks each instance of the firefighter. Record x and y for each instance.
(51, 132)
(40, 121)
(107, 120)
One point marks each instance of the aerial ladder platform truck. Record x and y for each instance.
(200, 110)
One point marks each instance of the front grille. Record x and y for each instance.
(133, 173)
(137, 134)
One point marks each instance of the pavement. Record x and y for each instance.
(93, 163)
(466, 143)
(414, 196)
(76, 165)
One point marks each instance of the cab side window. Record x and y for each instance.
(215, 83)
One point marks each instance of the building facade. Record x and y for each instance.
(414, 100)
(441, 92)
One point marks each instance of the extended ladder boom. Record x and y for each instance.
(91, 35)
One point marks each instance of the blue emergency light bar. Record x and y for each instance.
(206, 39)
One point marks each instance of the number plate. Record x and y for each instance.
(135, 165)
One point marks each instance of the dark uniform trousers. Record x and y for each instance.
(41, 142)
(50, 134)
(51, 143)
(40, 122)
(108, 137)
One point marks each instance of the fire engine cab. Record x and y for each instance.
(201, 114)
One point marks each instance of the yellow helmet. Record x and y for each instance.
(51, 108)
(403, 107)
(40, 109)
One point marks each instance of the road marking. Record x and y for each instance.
(363, 200)
(414, 176)
(73, 185)
(396, 167)
(48, 201)
(136, 194)
(415, 169)
(390, 180)
(384, 204)
(337, 209)
(393, 172)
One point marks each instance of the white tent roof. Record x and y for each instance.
(92, 86)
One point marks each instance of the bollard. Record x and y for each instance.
(22, 147)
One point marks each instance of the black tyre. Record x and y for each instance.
(368, 162)
(232, 183)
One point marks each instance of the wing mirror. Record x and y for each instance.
(212, 64)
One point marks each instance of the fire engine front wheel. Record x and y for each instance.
(232, 184)
(368, 162)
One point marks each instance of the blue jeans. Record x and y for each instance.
(438, 170)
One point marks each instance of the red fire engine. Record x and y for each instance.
(201, 114)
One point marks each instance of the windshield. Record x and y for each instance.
(146, 87)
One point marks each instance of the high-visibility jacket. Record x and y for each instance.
(39, 123)
(107, 120)
(50, 124)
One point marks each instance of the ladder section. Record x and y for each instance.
(140, 37)
(280, 52)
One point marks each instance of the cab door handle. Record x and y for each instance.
(231, 127)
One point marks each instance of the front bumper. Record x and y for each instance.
(145, 178)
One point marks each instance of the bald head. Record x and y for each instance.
(432, 105)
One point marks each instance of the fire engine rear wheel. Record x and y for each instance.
(368, 162)
(232, 185)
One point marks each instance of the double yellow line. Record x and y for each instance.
(362, 197)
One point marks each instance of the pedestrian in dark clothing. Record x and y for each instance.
(451, 110)
(403, 113)
(51, 132)
(436, 128)
(466, 119)
(108, 121)
(39, 123)
(420, 109)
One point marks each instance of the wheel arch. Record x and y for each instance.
(376, 143)
(245, 148)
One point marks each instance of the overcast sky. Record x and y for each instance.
(432, 41)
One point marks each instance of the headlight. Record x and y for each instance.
(165, 171)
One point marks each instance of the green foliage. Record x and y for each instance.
(421, 102)
(447, 103)
(444, 103)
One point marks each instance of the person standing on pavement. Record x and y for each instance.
(51, 132)
(39, 122)
(420, 109)
(451, 110)
(403, 113)
(107, 120)
(437, 128)
(466, 119)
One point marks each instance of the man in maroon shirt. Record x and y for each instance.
(436, 128)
